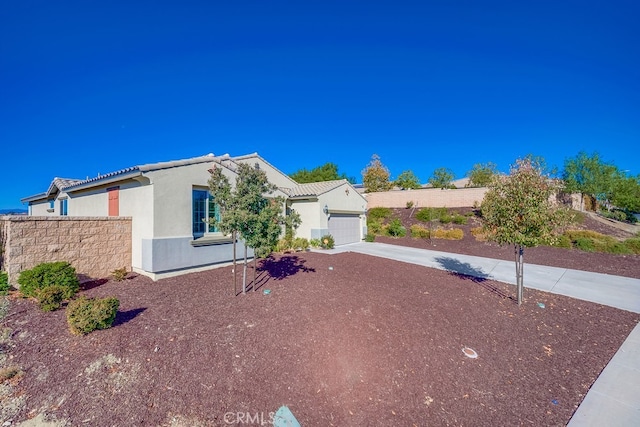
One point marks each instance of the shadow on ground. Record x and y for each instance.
(465, 271)
(125, 316)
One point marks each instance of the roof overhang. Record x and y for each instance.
(35, 198)
(103, 181)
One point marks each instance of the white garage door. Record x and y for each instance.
(344, 228)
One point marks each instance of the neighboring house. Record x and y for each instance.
(168, 201)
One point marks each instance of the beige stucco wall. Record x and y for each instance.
(94, 246)
(311, 214)
(427, 197)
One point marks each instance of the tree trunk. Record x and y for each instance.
(519, 252)
(244, 270)
(235, 281)
(254, 271)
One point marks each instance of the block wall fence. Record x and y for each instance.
(427, 198)
(94, 246)
(450, 198)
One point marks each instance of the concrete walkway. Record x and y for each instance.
(614, 398)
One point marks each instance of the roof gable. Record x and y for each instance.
(315, 188)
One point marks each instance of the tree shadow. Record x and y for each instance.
(87, 283)
(277, 269)
(465, 271)
(123, 317)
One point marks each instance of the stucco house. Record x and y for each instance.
(167, 202)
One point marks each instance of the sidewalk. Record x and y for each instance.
(614, 398)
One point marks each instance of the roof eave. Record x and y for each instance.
(103, 181)
(35, 198)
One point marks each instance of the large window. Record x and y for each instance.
(203, 208)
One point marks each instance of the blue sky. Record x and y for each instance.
(90, 87)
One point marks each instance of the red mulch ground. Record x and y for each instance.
(342, 340)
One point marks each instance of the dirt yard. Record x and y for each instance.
(341, 340)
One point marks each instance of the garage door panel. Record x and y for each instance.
(344, 228)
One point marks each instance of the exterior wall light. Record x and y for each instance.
(326, 209)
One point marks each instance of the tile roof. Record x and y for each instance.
(146, 168)
(314, 188)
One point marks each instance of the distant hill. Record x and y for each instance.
(18, 211)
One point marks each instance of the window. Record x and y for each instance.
(63, 207)
(203, 208)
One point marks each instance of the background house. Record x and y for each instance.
(168, 201)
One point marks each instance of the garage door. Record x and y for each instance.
(344, 228)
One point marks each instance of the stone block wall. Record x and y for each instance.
(427, 198)
(95, 246)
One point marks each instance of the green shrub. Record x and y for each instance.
(59, 273)
(378, 214)
(445, 219)
(4, 283)
(585, 244)
(283, 245)
(85, 315)
(618, 248)
(314, 243)
(51, 297)
(375, 227)
(562, 241)
(300, 244)
(459, 219)
(633, 244)
(426, 215)
(327, 242)
(433, 214)
(119, 274)
(396, 229)
(419, 231)
(409, 204)
(370, 237)
(616, 214)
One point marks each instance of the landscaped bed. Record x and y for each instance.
(343, 340)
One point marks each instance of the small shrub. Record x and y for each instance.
(375, 227)
(283, 245)
(633, 244)
(85, 315)
(119, 274)
(562, 241)
(327, 242)
(426, 215)
(409, 204)
(419, 231)
(4, 283)
(445, 219)
(450, 234)
(300, 244)
(589, 234)
(396, 229)
(378, 214)
(370, 237)
(479, 234)
(585, 244)
(51, 297)
(314, 243)
(459, 219)
(59, 273)
(609, 245)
